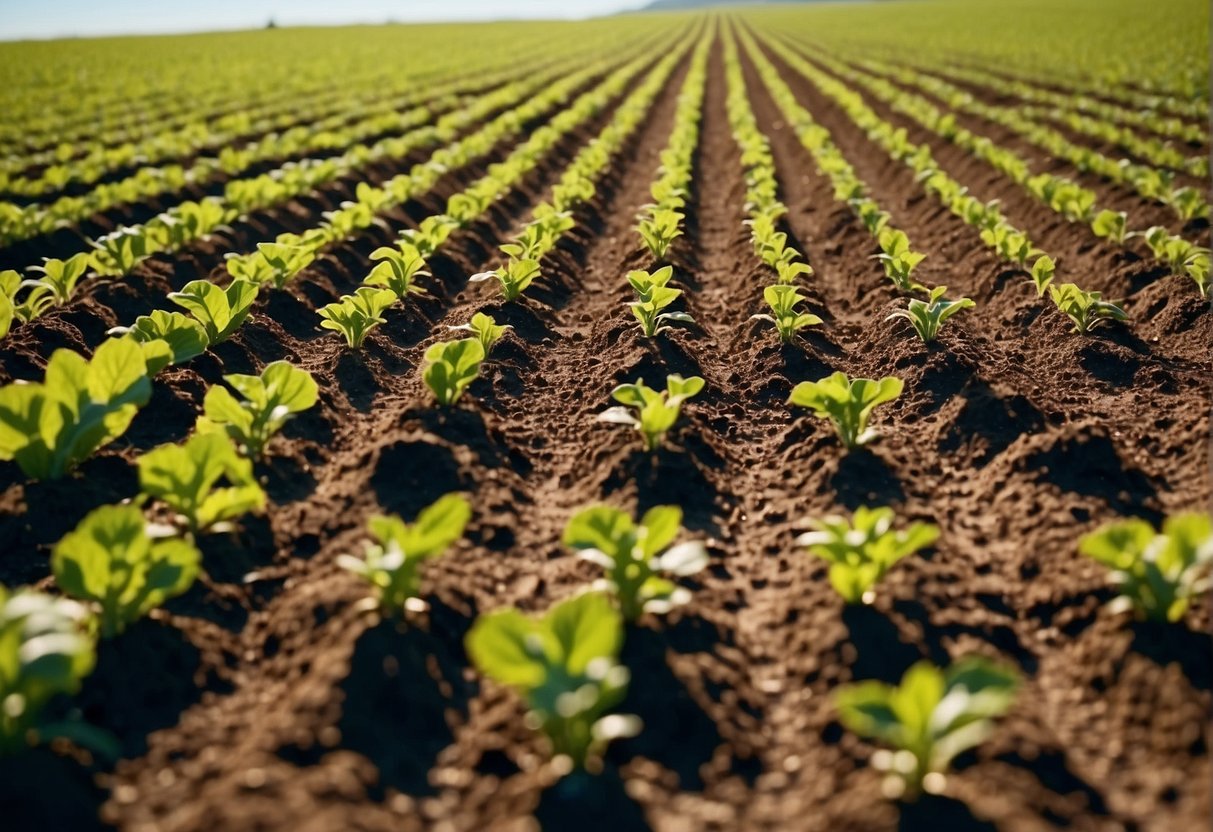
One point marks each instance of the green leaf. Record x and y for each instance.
(111, 561)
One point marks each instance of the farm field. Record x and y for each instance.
(293, 536)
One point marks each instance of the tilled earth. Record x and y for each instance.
(267, 699)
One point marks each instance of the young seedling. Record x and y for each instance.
(652, 295)
(636, 556)
(186, 478)
(847, 403)
(782, 300)
(930, 718)
(59, 278)
(1112, 225)
(1158, 574)
(82, 404)
(113, 561)
(565, 665)
(220, 311)
(487, 331)
(47, 647)
(166, 338)
(285, 261)
(927, 316)
(392, 563)
(118, 252)
(354, 316)
(397, 270)
(655, 412)
(515, 276)
(450, 366)
(660, 230)
(269, 401)
(1042, 273)
(861, 549)
(1086, 309)
(898, 260)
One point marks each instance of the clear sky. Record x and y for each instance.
(61, 18)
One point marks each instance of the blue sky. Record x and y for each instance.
(60, 18)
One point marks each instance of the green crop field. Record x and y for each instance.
(771, 417)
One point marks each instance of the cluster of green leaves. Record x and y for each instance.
(82, 404)
(565, 665)
(1086, 309)
(927, 316)
(661, 222)
(220, 312)
(636, 557)
(1158, 574)
(485, 329)
(653, 294)
(861, 549)
(47, 647)
(927, 720)
(187, 479)
(166, 338)
(115, 562)
(847, 403)
(267, 402)
(354, 316)
(782, 301)
(450, 366)
(1181, 256)
(651, 412)
(392, 562)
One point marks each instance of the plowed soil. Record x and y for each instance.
(267, 698)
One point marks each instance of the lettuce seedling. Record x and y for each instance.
(487, 331)
(1188, 203)
(354, 316)
(113, 561)
(118, 252)
(1111, 224)
(187, 479)
(565, 665)
(930, 718)
(1158, 573)
(47, 647)
(660, 230)
(1086, 309)
(636, 556)
(391, 564)
(1042, 273)
(847, 403)
(898, 260)
(782, 300)
(81, 405)
(861, 549)
(397, 269)
(656, 412)
(59, 278)
(220, 311)
(166, 337)
(450, 366)
(652, 295)
(269, 400)
(515, 276)
(927, 316)
(430, 235)
(285, 261)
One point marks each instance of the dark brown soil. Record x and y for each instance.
(265, 699)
